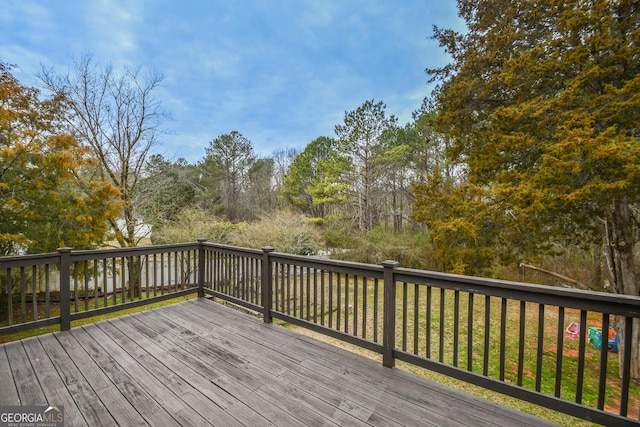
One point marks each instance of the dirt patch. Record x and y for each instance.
(566, 352)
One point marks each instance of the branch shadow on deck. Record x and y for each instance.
(201, 363)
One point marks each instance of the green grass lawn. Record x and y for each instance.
(420, 324)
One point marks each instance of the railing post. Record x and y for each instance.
(389, 314)
(65, 288)
(201, 267)
(267, 285)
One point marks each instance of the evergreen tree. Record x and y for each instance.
(541, 100)
(362, 140)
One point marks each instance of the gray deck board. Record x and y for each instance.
(52, 385)
(238, 377)
(155, 378)
(8, 395)
(183, 379)
(24, 375)
(200, 363)
(232, 384)
(119, 406)
(85, 397)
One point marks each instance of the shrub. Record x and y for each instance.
(192, 224)
(285, 231)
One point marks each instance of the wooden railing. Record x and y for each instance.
(535, 343)
(49, 289)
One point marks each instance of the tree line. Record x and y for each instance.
(529, 142)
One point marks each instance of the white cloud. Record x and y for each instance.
(280, 75)
(112, 29)
(28, 11)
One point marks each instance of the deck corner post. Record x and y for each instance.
(267, 285)
(389, 314)
(201, 267)
(65, 288)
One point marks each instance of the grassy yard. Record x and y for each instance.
(425, 315)
(512, 370)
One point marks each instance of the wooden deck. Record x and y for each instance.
(200, 363)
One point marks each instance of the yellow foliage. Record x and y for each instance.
(44, 202)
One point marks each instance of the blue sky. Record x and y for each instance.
(282, 73)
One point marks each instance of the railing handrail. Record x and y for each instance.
(623, 305)
(63, 259)
(256, 253)
(486, 286)
(615, 304)
(18, 261)
(85, 255)
(265, 267)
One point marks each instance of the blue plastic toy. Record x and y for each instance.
(595, 339)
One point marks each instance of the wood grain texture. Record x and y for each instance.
(201, 363)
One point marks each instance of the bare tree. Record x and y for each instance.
(117, 116)
(282, 160)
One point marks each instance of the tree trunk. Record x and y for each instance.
(619, 251)
(134, 270)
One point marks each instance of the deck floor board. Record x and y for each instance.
(23, 375)
(201, 363)
(86, 399)
(51, 383)
(8, 395)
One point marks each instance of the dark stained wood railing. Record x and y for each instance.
(504, 336)
(50, 289)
